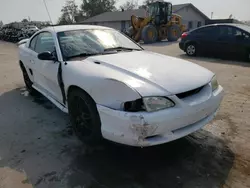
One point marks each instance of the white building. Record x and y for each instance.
(191, 16)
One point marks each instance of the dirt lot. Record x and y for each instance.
(38, 149)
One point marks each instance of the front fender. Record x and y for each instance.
(113, 93)
(108, 92)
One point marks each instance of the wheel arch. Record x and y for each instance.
(75, 87)
(107, 92)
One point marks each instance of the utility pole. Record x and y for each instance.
(212, 13)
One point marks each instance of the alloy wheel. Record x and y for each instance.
(83, 118)
(191, 50)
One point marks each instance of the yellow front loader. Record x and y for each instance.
(159, 25)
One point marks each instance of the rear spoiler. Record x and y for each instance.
(23, 41)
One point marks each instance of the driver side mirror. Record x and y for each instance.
(47, 56)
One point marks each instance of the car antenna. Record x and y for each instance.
(46, 7)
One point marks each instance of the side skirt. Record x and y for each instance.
(55, 102)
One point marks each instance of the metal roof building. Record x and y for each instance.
(192, 17)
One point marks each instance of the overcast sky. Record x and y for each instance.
(16, 10)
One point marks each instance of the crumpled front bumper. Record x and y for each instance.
(143, 129)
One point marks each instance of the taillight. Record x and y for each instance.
(184, 35)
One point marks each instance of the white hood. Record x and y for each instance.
(172, 74)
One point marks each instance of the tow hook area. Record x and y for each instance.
(141, 128)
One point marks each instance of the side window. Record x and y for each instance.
(246, 36)
(45, 43)
(33, 43)
(238, 32)
(227, 31)
(206, 31)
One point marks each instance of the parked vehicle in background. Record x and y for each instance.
(31, 28)
(222, 39)
(112, 88)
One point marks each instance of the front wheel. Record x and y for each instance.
(174, 33)
(149, 34)
(84, 117)
(191, 49)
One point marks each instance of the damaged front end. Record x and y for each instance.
(141, 129)
(130, 128)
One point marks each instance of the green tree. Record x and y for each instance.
(69, 12)
(94, 7)
(25, 20)
(129, 5)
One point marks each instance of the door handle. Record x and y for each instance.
(32, 61)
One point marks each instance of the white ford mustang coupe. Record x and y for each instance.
(114, 89)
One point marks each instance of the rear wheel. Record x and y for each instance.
(149, 34)
(174, 33)
(190, 49)
(84, 117)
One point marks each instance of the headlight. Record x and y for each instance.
(157, 103)
(214, 83)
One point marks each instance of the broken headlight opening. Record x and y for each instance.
(134, 106)
(149, 104)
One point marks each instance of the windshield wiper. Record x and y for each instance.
(120, 48)
(82, 55)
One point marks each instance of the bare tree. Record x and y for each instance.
(129, 5)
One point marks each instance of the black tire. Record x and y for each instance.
(147, 39)
(27, 81)
(174, 33)
(84, 117)
(191, 49)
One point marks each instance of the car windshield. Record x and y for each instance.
(93, 41)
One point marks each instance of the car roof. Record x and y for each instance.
(220, 24)
(63, 28)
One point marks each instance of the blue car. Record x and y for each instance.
(221, 39)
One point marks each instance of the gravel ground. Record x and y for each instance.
(38, 149)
